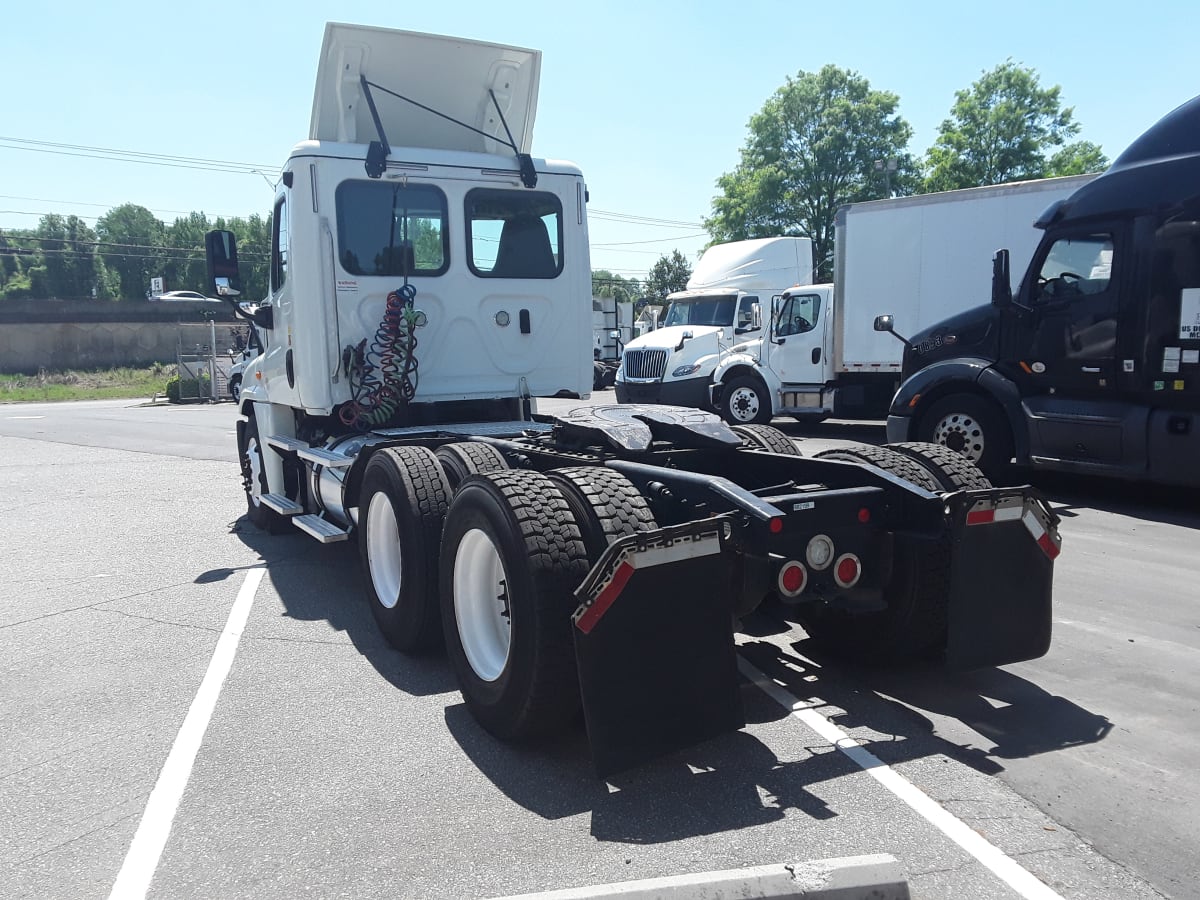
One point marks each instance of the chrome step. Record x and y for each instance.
(322, 529)
(309, 454)
(281, 504)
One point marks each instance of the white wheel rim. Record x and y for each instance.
(481, 604)
(962, 434)
(256, 471)
(743, 404)
(383, 550)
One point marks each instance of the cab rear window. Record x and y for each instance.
(514, 234)
(378, 221)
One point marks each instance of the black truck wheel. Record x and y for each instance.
(401, 510)
(465, 458)
(972, 426)
(953, 471)
(605, 504)
(745, 400)
(512, 556)
(254, 478)
(766, 437)
(888, 460)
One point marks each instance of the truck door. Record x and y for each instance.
(1066, 343)
(798, 339)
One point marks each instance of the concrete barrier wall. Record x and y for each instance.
(102, 334)
(27, 347)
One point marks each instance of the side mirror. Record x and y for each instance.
(756, 316)
(884, 323)
(1001, 282)
(220, 250)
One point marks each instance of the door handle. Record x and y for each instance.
(1092, 370)
(816, 355)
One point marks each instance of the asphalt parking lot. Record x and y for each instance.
(327, 764)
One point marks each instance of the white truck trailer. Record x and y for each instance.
(423, 294)
(722, 306)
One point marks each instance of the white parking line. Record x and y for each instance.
(1004, 867)
(151, 837)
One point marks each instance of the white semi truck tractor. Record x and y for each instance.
(430, 281)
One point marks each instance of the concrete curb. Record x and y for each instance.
(875, 877)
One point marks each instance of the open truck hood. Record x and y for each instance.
(450, 75)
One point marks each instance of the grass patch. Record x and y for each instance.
(107, 384)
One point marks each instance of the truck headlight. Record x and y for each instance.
(684, 370)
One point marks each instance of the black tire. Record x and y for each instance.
(888, 460)
(745, 400)
(911, 627)
(402, 506)
(605, 504)
(971, 426)
(511, 536)
(953, 471)
(766, 437)
(463, 458)
(235, 387)
(254, 479)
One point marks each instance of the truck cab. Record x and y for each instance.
(723, 308)
(1092, 365)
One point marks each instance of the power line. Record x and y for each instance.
(136, 156)
(109, 206)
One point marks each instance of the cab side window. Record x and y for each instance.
(1076, 266)
(279, 245)
(798, 315)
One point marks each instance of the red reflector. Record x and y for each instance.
(864, 515)
(775, 525)
(847, 571)
(793, 578)
(980, 516)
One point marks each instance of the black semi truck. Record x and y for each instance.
(1093, 365)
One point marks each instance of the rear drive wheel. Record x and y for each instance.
(746, 401)
(889, 461)
(953, 471)
(605, 504)
(254, 478)
(402, 507)
(766, 437)
(469, 458)
(512, 558)
(971, 426)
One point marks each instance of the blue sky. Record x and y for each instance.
(651, 99)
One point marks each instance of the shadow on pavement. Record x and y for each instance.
(323, 582)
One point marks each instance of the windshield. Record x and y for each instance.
(702, 311)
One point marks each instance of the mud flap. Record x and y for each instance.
(654, 644)
(1005, 542)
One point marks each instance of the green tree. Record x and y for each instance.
(811, 149)
(669, 274)
(1079, 158)
(1000, 129)
(606, 284)
(69, 258)
(184, 267)
(131, 238)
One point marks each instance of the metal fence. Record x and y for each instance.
(204, 355)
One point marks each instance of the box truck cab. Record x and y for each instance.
(1093, 364)
(723, 305)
